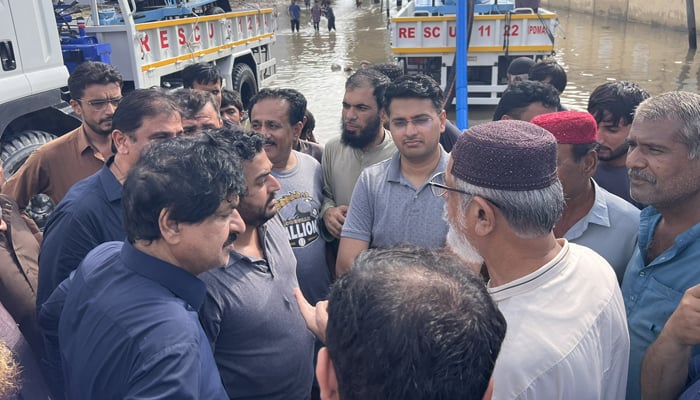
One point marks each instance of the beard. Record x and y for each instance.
(98, 130)
(614, 153)
(460, 245)
(363, 137)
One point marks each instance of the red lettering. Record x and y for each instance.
(144, 43)
(485, 30)
(429, 32)
(240, 25)
(164, 39)
(181, 39)
(452, 31)
(537, 30)
(250, 23)
(211, 31)
(197, 36)
(407, 33)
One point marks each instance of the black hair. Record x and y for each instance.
(579, 150)
(391, 70)
(519, 95)
(417, 86)
(92, 73)
(307, 132)
(192, 101)
(139, 104)
(294, 98)
(189, 176)
(549, 68)
(410, 323)
(203, 73)
(372, 78)
(231, 98)
(619, 98)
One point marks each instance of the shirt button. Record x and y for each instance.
(642, 274)
(633, 297)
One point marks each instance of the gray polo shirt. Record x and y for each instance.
(260, 342)
(387, 210)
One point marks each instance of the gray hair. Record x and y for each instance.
(680, 106)
(530, 213)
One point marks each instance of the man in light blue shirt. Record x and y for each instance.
(392, 202)
(664, 170)
(593, 217)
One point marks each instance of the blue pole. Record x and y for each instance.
(461, 92)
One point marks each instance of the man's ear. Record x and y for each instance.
(325, 374)
(76, 107)
(169, 228)
(298, 128)
(443, 121)
(590, 162)
(485, 216)
(119, 139)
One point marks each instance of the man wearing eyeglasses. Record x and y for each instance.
(96, 89)
(392, 202)
(567, 334)
(91, 212)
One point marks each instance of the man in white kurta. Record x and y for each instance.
(565, 315)
(567, 333)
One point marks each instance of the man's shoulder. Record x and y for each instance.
(57, 147)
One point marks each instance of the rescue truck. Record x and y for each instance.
(424, 32)
(148, 41)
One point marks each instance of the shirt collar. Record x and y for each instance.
(598, 214)
(182, 283)
(109, 182)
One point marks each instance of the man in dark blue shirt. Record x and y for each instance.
(91, 211)
(129, 326)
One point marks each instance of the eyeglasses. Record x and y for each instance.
(418, 122)
(439, 189)
(100, 104)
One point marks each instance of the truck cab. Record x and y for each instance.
(149, 43)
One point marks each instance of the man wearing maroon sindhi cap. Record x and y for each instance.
(593, 217)
(567, 336)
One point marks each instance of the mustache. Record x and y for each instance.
(269, 141)
(231, 238)
(635, 173)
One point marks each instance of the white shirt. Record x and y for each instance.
(567, 331)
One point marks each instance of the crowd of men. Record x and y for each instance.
(198, 250)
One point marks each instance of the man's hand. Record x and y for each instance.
(683, 326)
(316, 318)
(334, 218)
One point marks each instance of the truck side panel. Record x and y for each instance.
(155, 49)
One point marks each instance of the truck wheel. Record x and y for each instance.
(243, 80)
(18, 149)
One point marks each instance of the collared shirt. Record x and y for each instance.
(567, 337)
(298, 206)
(129, 329)
(260, 341)
(54, 168)
(609, 228)
(90, 214)
(19, 269)
(652, 292)
(387, 210)
(342, 166)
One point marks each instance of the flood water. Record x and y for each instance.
(592, 49)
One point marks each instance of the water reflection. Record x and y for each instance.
(592, 49)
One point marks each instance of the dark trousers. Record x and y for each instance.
(295, 23)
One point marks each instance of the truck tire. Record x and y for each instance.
(243, 80)
(18, 149)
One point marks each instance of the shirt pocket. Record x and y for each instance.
(660, 301)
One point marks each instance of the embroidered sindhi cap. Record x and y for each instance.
(569, 127)
(506, 155)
